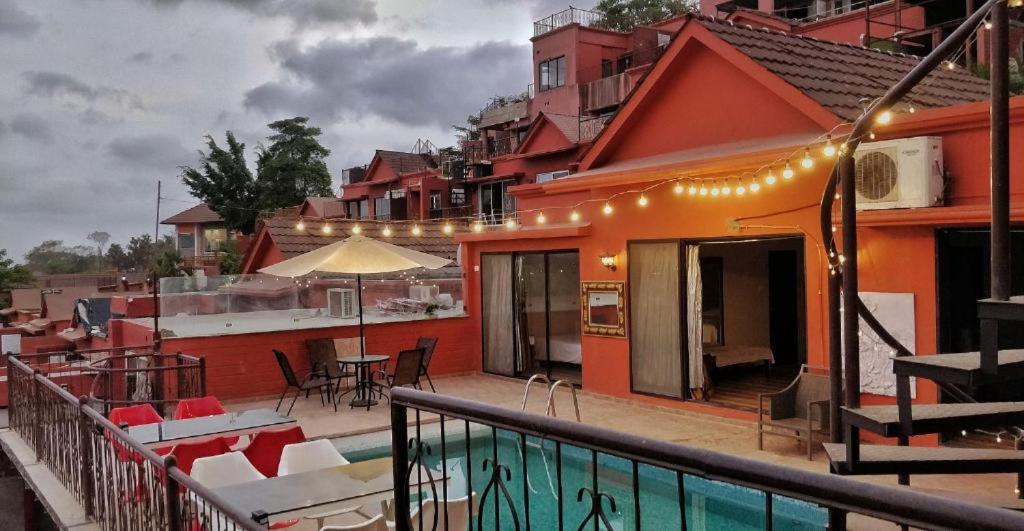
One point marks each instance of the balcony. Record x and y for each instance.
(512, 111)
(604, 93)
(564, 18)
(591, 127)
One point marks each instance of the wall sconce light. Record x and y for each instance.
(608, 260)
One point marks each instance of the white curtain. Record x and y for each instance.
(499, 340)
(694, 321)
(654, 334)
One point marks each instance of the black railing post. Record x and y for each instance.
(87, 469)
(172, 503)
(1000, 153)
(37, 413)
(835, 358)
(202, 376)
(851, 324)
(400, 466)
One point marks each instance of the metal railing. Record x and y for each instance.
(591, 126)
(565, 17)
(607, 475)
(120, 483)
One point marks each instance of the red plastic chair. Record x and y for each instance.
(206, 406)
(186, 453)
(134, 415)
(264, 452)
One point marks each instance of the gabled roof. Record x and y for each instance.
(564, 133)
(280, 232)
(838, 76)
(401, 162)
(322, 207)
(198, 214)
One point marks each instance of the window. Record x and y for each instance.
(186, 242)
(606, 68)
(712, 298)
(458, 197)
(381, 208)
(552, 73)
(213, 239)
(357, 209)
(435, 200)
(495, 201)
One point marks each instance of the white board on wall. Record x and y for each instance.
(896, 313)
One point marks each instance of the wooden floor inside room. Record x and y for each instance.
(738, 387)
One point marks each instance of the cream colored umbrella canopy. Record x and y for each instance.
(357, 255)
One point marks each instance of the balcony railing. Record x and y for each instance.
(590, 127)
(530, 471)
(564, 18)
(121, 484)
(604, 93)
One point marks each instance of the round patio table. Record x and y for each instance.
(364, 377)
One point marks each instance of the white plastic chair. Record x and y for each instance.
(309, 455)
(374, 524)
(222, 470)
(459, 512)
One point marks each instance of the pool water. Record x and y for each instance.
(709, 505)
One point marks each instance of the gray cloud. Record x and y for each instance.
(16, 21)
(156, 151)
(391, 78)
(544, 8)
(302, 13)
(140, 57)
(3, 129)
(56, 84)
(32, 127)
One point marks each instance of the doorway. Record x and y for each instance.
(531, 314)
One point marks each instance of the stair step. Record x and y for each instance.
(1008, 310)
(962, 368)
(877, 459)
(935, 418)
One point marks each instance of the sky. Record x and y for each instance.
(100, 99)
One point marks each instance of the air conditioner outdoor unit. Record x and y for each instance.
(341, 302)
(423, 293)
(902, 173)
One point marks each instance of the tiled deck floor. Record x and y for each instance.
(685, 427)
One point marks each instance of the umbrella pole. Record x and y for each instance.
(359, 298)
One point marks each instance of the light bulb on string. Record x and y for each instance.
(871, 135)
(448, 229)
(726, 189)
(574, 216)
(988, 24)
(541, 218)
(830, 149)
(416, 230)
(755, 186)
(770, 178)
(807, 162)
(510, 223)
(884, 117)
(703, 190)
(678, 188)
(642, 200)
(693, 189)
(356, 229)
(607, 209)
(714, 190)
(950, 65)
(740, 189)
(386, 232)
(300, 225)
(787, 172)
(326, 229)
(911, 109)
(478, 226)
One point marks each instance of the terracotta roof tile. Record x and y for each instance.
(402, 163)
(838, 76)
(197, 214)
(291, 242)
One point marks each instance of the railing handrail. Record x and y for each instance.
(879, 501)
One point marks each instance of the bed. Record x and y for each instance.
(726, 356)
(566, 349)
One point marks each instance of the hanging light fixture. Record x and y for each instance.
(416, 230)
(607, 209)
(300, 225)
(714, 190)
(693, 188)
(478, 226)
(830, 149)
(678, 188)
(356, 229)
(326, 229)
(642, 201)
(703, 190)
(787, 172)
(541, 218)
(770, 178)
(726, 189)
(807, 162)
(447, 228)
(740, 189)
(510, 223)
(574, 216)
(755, 186)
(884, 117)
(386, 232)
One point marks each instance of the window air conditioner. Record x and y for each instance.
(902, 173)
(551, 176)
(341, 302)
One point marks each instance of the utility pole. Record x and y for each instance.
(156, 281)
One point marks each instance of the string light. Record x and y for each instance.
(740, 189)
(607, 209)
(807, 162)
(703, 190)
(912, 109)
(356, 229)
(448, 229)
(770, 178)
(326, 229)
(988, 24)
(714, 190)
(871, 135)
(510, 223)
(787, 172)
(300, 225)
(755, 186)
(386, 232)
(678, 189)
(693, 189)
(950, 65)
(541, 218)
(416, 230)
(884, 117)
(830, 149)
(726, 190)
(478, 226)
(642, 201)
(574, 216)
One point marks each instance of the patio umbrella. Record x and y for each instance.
(357, 255)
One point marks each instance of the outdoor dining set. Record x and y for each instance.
(261, 463)
(336, 372)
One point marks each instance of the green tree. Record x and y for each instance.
(224, 182)
(53, 257)
(139, 252)
(230, 259)
(168, 264)
(100, 238)
(624, 15)
(118, 258)
(12, 275)
(292, 167)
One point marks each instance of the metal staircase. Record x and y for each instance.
(549, 406)
(951, 372)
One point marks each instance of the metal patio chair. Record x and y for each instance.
(427, 344)
(407, 372)
(800, 411)
(313, 381)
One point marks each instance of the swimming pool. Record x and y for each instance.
(709, 505)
